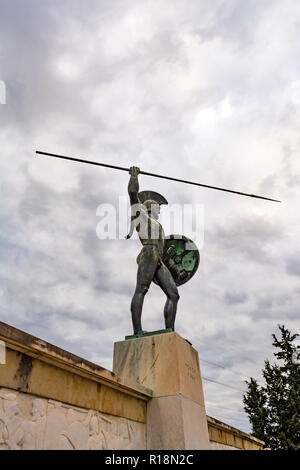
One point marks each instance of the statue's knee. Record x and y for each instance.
(175, 296)
(142, 289)
(145, 289)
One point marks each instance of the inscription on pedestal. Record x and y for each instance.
(192, 373)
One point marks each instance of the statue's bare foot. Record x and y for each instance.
(140, 332)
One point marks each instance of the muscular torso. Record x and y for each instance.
(150, 231)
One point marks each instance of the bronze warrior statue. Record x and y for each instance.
(168, 262)
(151, 265)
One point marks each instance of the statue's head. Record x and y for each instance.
(153, 208)
(152, 202)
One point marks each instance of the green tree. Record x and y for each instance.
(274, 408)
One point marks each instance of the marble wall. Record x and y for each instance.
(30, 422)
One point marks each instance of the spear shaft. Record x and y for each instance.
(154, 175)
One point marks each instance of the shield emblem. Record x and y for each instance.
(182, 258)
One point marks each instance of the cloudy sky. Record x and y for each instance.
(206, 90)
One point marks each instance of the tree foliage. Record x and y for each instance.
(274, 408)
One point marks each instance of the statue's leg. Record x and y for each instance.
(165, 280)
(146, 270)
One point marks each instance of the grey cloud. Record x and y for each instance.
(236, 20)
(247, 236)
(293, 265)
(235, 298)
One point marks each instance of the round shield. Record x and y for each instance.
(182, 258)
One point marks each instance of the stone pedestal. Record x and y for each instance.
(169, 366)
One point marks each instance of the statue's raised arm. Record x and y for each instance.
(133, 190)
(133, 185)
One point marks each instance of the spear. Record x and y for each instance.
(154, 174)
